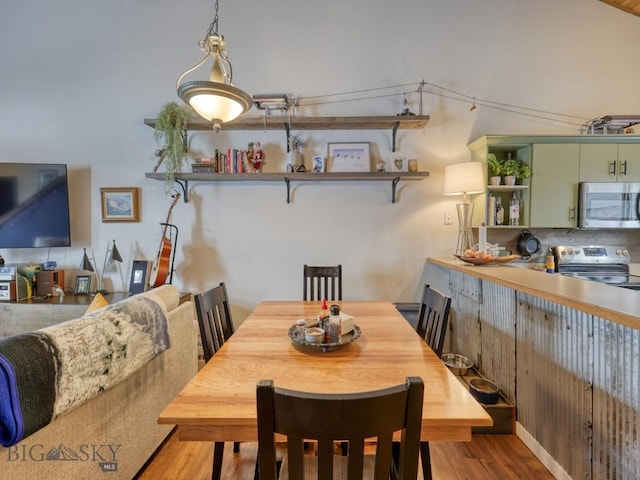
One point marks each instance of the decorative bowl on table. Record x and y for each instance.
(457, 363)
(299, 339)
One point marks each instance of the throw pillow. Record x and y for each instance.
(98, 302)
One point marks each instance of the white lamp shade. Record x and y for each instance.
(464, 178)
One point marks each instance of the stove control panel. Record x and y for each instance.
(590, 254)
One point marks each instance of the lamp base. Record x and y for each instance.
(465, 235)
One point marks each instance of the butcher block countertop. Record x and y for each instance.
(619, 305)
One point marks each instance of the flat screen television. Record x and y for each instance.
(34, 205)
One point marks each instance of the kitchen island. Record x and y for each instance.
(565, 351)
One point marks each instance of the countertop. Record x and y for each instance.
(618, 305)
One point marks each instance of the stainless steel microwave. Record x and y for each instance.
(609, 205)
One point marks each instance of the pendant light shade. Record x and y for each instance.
(215, 99)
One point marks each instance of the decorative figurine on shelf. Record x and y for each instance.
(255, 157)
(296, 163)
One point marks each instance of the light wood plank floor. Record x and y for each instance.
(486, 457)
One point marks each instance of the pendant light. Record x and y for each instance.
(216, 99)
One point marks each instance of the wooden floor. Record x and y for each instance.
(486, 457)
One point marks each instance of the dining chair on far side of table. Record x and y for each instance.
(322, 282)
(328, 418)
(433, 318)
(216, 326)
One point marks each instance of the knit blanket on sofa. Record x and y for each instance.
(46, 373)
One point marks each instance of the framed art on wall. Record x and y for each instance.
(120, 204)
(348, 157)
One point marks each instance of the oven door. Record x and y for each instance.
(609, 205)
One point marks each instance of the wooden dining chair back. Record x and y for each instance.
(216, 326)
(214, 319)
(330, 418)
(322, 282)
(433, 318)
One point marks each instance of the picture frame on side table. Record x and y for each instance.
(139, 276)
(120, 204)
(348, 157)
(83, 285)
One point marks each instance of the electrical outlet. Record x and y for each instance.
(447, 218)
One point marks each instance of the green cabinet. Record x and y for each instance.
(554, 185)
(503, 146)
(609, 162)
(549, 199)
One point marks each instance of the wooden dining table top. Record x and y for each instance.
(219, 403)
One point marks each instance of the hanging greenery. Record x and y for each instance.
(171, 134)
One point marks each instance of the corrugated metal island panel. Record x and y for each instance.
(554, 368)
(616, 401)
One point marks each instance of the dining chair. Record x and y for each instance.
(329, 418)
(322, 282)
(216, 326)
(433, 318)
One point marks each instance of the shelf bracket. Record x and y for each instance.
(393, 136)
(394, 183)
(287, 180)
(184, 184)
(288, 130)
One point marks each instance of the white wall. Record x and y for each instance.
(78, 78)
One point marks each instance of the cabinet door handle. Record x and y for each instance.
(623, 168)
(572, 213)
(612, 168)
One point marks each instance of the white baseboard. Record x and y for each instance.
(544, 457)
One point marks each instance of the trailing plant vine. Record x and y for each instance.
(171, 135)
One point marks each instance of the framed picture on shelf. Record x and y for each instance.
(348, 157)
(318, 164)
(83, 285)
(398, 163)
(412, 165)
(120, 204)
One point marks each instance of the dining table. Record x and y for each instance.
(219, 403)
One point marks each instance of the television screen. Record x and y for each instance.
(34, 205)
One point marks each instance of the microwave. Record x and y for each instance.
(609, 205)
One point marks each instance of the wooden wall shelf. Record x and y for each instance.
(287, 123)
(183, 179)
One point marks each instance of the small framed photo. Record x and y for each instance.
(120, 204)
(412, 165)
(83, 285)
(318, 164)
(139, 273)
(398, 163)
(348, 157)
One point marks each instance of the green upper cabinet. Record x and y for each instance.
(549, 198)
(554, 185)
(503, 147)
(610, 162)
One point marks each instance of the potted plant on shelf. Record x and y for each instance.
(515, 169)
(494, 168)
(171, 134)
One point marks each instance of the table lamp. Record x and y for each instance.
(464, 179)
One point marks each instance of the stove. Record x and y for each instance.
(605, 264)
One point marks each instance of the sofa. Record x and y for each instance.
(112, 434)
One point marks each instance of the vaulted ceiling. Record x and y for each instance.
(629, 6)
